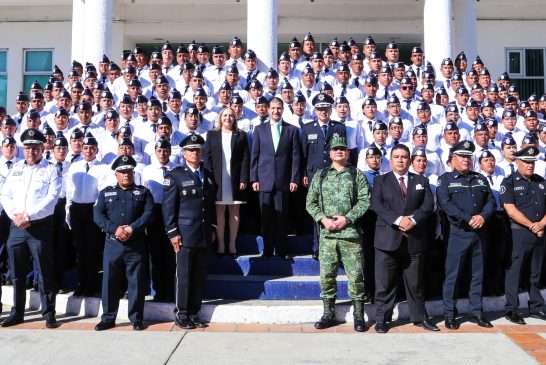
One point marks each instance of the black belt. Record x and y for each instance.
(38, 221)
(83, 204)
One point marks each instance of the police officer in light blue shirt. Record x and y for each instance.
(31, 211)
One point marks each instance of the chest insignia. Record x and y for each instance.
(188, 183)
(193, 191)
(18, 173)
(167, 182)
(517, 188)
(113, 193)
(184, 192)
(541, 186)
(136, 192)
(312, 137)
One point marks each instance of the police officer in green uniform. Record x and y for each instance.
(338, 196)
(523, 196)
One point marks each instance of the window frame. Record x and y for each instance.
(5, 73)
(523, 61)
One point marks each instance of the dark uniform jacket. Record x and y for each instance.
(529, 196)
(316, 148)
(463, 196)
(189, 206)
(388, 204)
(116, 207)
(239, 165)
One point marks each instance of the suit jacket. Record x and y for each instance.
(239, 165)
(189, 208)
(388, 204)
(275, 169)
(316, 147)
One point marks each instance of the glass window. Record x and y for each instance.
(534, 62)
(38, 66)
(514, 62)
(3, 77)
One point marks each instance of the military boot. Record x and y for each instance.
(328, 319)
(358, 316)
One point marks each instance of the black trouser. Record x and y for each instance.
(527, 249)
(61, 241)
(130, 261)
(368, 249)
(5, 224)
(274, 206)
(162, 257)
(191, 274)
(89, 242)
(496, 254)
(388, 265)
(35, 241)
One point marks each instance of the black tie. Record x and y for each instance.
(113, 134)
(448, 84)
(74, 158)
(490, 179)
(396, 142)
(186, 89)
(97, 106)
(9, 163)
(87, 167)
(196, 173)
(300, 122)
(60, 166)
(84, 127)
(386, 94)
(418, 72)
(48, 155)
(291, 109)
(370, 125)
(408, 104)
(512, 168)
(324, 130)
(308, 94)
(343, 90)
(164, 168)
(263, 119)
(164, 106)
(357, 84)
(154, 127)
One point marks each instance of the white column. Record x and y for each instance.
(78, 30)
(262, 31)
(465, 26)
(437, 31)
(98, 29)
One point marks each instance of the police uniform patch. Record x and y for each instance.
(502, 189)
(18, 173)
(312, 137)
(136, 192)
(112, 193)
(188, 183)
(167, 182)
(541, 186)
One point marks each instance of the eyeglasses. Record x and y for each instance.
(339, 149)
(406, 87)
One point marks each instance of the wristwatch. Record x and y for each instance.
(27, 218)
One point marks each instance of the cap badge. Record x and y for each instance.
(466, 144)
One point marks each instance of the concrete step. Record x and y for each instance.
(268, 287)
(255, 265)
(252, 245)
(249, 311)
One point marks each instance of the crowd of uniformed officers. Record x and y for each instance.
(136, 171)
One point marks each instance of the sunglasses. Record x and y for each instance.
(406, 87)
(339, 149)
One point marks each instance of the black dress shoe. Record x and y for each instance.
(482, 322)
(381, 327)
(138, 326)
(315, 255)
(538, 315)
(63, 291)
(102, 326)
(451, 323)
(78, 293)
(12, 320)
(8, 282)
(233, 255)
(184, 323)
(265, 256)
(426, 325)
(198, 322)
(514, 317)
(50, 321)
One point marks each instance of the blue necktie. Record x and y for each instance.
(308, 94)
(324, 130)
(154, 127)
(343, 90)
(164, 168)
(300, 122)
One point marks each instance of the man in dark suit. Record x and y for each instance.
(190, 217)
(403, 203)
(316, 138)
(275, 173)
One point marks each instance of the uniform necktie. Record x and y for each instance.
(370, 125)
(490, 179)
(512, 168)
(154, 127)
(48, 155)
(263, 119)
(84, 127)
(86, 167)
(343, 90)
(165, 70)
(317, 79)
(164, 168)
(74, 158)
(448, 84)
(97, 106)
(300, 122)
(198, 176)
(418, 72)
(308, 92)
(376, 173)
(273, 93)
(357, 84)
(276, 135)
(219, 69)
(403, 188)
(324, 130)
(113, 134)
(9, 163)
(60, 166)
(493, 142)
(291, 109)
(408, 104)
(177, 116)
(164, 106)
(186, 89)
(396, 142)
(383, 151)
(386, 94)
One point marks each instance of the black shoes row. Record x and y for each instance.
(190, 322)
(103, 326)
(14, 319)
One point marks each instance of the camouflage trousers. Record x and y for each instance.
(333, 251)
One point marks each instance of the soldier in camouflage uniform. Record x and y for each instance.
(338, 196)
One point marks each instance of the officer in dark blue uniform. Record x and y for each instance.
(316, 137)
(523, 195)
(189, 213)
(123, 212)
(467, 200)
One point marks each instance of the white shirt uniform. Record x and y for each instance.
(84, 184)
(152, 178)
(31, 190)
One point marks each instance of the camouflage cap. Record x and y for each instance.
(338, 141)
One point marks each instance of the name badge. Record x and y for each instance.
(517, 188)
(419, 187)
(110, 194)
(188, 183)
(136, 192)
(18, 173)
(313, 137)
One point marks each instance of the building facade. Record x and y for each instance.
(35, 35)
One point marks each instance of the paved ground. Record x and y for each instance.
(75, 342)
